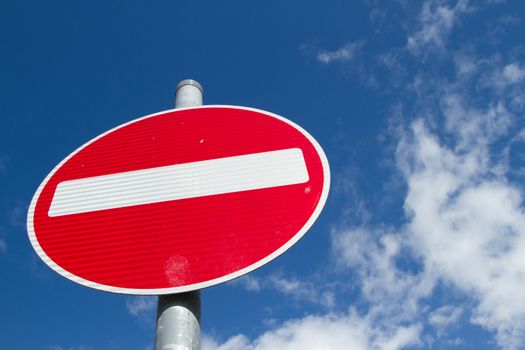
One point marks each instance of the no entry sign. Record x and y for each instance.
(179, 200)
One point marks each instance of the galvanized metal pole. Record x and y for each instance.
(179, 315)
(189, 94)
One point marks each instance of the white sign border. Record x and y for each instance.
(190, 287)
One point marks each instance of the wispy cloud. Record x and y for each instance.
(298, 290)
(345, 53)
(3, 242)
(394, 294)
(513, 73)
(16, 215)
(248, 282)
(436, 21)
(301, 290)
(444, 317)
(3, 245)
(15, 221)
(142, 308)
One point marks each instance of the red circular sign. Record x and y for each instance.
(179, 200)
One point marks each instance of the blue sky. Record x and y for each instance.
(419, 107)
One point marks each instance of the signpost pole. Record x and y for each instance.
(178, 315)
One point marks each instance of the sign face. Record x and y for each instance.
(179, 200)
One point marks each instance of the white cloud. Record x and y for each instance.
(456, 341)
(142, 307)
(444, 317)
(465, 221)
(345, 53)
(466, 227)
(383, 326)
(248, 282)
(436, 21)
(469, 227)
(301, 290)
(334, 332)
(298, 290)
(394, 294)
(474, 128)
(513, 73)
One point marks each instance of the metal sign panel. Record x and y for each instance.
(179, 200)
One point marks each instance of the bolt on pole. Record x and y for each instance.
(179, 315)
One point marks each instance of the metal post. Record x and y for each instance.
(179, 315)
(189, 94)
(178, 321)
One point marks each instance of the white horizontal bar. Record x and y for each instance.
(180, 181)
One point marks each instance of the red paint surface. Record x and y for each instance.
(180, 242)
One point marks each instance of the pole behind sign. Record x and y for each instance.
(178, 315)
